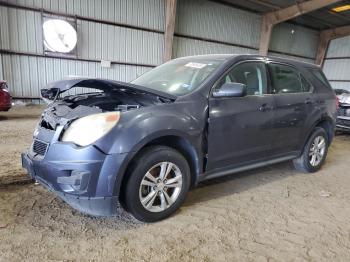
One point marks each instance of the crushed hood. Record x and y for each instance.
(55, 88)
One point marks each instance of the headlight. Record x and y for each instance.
(88, 129)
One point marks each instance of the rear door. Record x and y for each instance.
(293, 105)
(241, 128)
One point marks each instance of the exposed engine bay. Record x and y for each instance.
(108, 96)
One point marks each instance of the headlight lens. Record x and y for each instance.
(88, 129)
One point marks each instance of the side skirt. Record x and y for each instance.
(246, 167)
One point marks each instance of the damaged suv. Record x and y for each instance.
(144, 144)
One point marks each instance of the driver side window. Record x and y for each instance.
(252, 74)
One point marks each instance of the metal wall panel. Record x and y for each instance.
(27, 75)
(207, 19)
(20, 30)
(339, 47)
(341, 85)
(97, 41)
(1, 69)
(294, 39)
(187, 47)
(338, 69)
(108, 42)
(145, 13)
(4, 28)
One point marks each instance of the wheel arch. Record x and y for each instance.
(327, 123)
(179, 143)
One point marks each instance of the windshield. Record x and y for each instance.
(180, 76)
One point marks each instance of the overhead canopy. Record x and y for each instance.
(321, 19)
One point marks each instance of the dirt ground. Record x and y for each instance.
(16, 132)
(269, 214)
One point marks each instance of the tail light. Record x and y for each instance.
(337, 102)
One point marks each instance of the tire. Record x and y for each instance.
(152, 161)
(304, 162)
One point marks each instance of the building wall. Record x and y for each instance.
(337, 63)
(208, 27)
(294, 40)
(130, 33)
(131, 37)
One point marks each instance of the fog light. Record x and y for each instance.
(78, 181)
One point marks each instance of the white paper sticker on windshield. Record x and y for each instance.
(195, 65)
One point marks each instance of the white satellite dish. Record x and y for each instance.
(59, 36)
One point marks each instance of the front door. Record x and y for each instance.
(241, 128)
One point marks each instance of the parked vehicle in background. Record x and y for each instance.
(146, 143)
(339, 92)
(5, 97)
(343, 118)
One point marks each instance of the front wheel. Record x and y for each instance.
(314, 153)
(157, 185)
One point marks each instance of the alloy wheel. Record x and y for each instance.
(160, 187)
(317, 150)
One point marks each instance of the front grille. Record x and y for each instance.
(40, 147)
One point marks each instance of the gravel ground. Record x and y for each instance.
(269, 214)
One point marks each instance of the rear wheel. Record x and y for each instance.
(314, 153)
(157, 185)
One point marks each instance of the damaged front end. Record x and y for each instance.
(343, 118)
(64, 157)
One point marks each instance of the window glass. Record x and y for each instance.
(320, 76)
(252, 74)
(305, 84)
(285, 79)
(179, 76)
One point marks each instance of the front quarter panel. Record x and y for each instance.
(138, 127)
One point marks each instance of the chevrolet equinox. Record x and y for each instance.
(144, 144)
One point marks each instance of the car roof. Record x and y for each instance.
(254, 57)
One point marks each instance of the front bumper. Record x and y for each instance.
(85, 177)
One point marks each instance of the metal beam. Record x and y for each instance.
(325, 37)
(272, 18)
(169, 29)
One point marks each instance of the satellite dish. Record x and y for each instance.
(59, 36)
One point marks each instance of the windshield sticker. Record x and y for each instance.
(195, 65)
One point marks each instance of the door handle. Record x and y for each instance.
(264, 108)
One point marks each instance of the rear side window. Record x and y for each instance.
(320, 76)
(286, 79)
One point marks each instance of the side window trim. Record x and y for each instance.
(300, 74)
(239, 63)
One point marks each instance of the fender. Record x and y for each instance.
(195, 155)
(320, 120)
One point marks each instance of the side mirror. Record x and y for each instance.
(231, 90)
